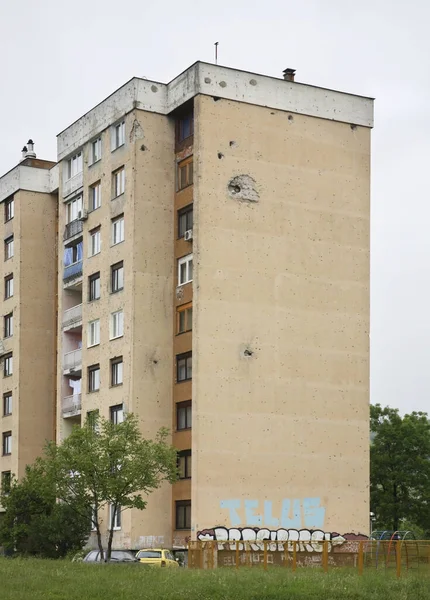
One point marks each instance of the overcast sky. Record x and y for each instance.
(60, 59)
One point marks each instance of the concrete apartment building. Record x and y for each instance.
(28, 226)
(213, 278)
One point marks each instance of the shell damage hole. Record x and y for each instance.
(353, 127)
(216, 98)
(290, 118)
(220, 155)
(234, 189)
(232, 143)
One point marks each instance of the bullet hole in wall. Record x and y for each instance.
(234, 189)
(253, 82)
(208, 79)
(353, 127)
(248, 352)
(154, 88)
(216, 98)
(143, 148)
(232, 143)
(220, 155)
(290, 118)
(222, 84)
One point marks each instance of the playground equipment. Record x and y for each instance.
(388, 547)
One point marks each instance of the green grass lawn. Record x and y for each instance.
(33, 579)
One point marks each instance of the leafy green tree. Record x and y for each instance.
(399, 468)
(34, 522)
(103, 464)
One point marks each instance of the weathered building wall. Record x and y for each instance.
(281, 320)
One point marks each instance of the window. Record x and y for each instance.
(185, 173)
(184, 318)
(95, 240)
(8, 325)
(118, 182)
(95, 196)
(7, 443)
(8, 248)
(116, 371)
(93, 333)
(93, 420)
(185, 269)
(184, 464)
(94, 514)
(8, 287)
(118, 135)
(72, 254)
(116, 523)
(94, 378)
(117, 414)
(6, 479)
(185, 220)
(117, 324)
(184, 366)
(74, 209)
(183, 415)
(183, 514)
(8, 365)
(94, 287)
(7, 404)
(117, 277)
(118, 230)
(9, 210)
(74, 165)
(185, 126)
(95, 151)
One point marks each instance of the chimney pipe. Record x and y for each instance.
(30, 149)
(24, 152)
(289, 74)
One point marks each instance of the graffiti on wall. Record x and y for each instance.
(298, 520)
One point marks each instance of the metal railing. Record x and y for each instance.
(72, 228)
(72, 360)
(72, 271)
(72, 315)
(395, 556)
(71, 404)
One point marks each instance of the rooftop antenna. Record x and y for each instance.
(216, 52)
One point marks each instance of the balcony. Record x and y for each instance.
(73, 184)
(72, 271)
(73, 361)
(72, 229)
(72, 317)
(71, 405)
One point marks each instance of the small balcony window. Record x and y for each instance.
(8, 248)
(185, 220)
(116, 371)
(7, 443)
(183, 514)
(8, 325)
(185, 269)
(184, 367)
(9, 209)
(8, 287)
(118, 135)
(183, 415)
(184, 464)
(95, 151)
(185, 173)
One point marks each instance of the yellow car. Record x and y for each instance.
(157, 557)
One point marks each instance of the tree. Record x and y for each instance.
(35, 523)
(103, 464)
(399, 468)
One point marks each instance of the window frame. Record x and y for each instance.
(95, 248)
(91, 280)
(8, 325)
(8, 245)
(117, 519)
(6, 481)
(188, 368)
(186, 167)
(8, 287)
(113, 316)
(181, 133)
(118, 182)
(7, 446)
(95, 193)
(118, 135)
(185, 212)
(72, 172)
(187, 464)
(185, 260)
(93, 326)
(7, 404)
(8, 364)
(185, 522)
(114, 222)
(184, 309)
(73, 208)
(114, 363)
(92, 370)
(185, 406)
(9, 209)
(95, 144)
(116, 413)
(115, 268)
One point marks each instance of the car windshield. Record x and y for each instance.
(148, 554)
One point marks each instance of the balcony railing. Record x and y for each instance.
(73, 228)
(72, 271)
(73, 184)
(72, 315)
(72, 404)
(72, 360)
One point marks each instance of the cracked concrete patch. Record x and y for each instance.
(243, 187)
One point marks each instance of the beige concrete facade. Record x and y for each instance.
(29, 413)
(275, 413)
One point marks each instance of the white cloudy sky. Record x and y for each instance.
(60, 59)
